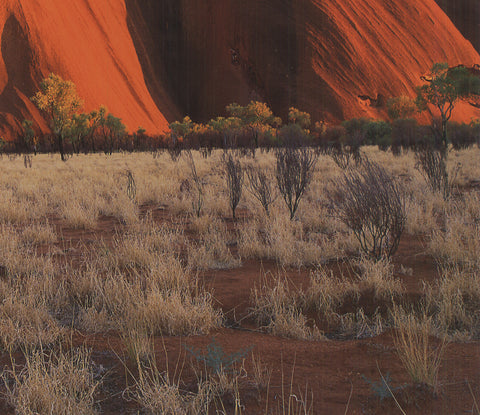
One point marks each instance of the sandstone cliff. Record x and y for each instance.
(154, 61)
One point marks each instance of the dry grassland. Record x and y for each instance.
(82, 257)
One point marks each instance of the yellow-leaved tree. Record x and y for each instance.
(59, 101)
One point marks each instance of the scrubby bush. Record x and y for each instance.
(234, 176)
(372, 205)
(260, 186)
(294, 171)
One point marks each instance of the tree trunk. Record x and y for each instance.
(60, 147)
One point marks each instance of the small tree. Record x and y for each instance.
(110, 127)
(58, 99)
(257, 117)
(79, 128)
(443, 89)
(372, 205)
(28, 135)
(234, 175)
(294, 172)
(300, 118)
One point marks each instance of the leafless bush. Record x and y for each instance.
(197, 198)
(260, 186)
(131, 186)
(234, 174)
(432, 164)
(372, 205)
(294, 173)
(27, 161)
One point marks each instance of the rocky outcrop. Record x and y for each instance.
(86, 41)
(321, 56)
(154, 61)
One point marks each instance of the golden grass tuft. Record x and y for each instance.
(415, 348)
(51, 383)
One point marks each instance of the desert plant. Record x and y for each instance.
(234, 176)
(215, 358)
(58, 99)
(52, 384)
(432, 164)
(131, 186)
(259, 185)
(197, 198)
(372, 205)
(294, 172)
(383, 388)
(412, 340)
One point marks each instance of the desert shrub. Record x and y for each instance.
(197, 194)
(294, 172)
(292, 134)
(259, 184)
(378, 133)
(405, 134)
(372, 205)
(234, 176)
(462, 135)
(401, 107)
(431, 162)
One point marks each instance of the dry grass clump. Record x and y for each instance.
(170, 305)
(415, 348)
(279, 309)
(378, 277)
(212, 250)
(145, 245)
(423, 209)
(458, 243)
(288, 243)
(358, 325)
(39, 233)
(454, 302)
(13, 253)
(79, 215)
(327, 293)
(51, 383)
(25, 324)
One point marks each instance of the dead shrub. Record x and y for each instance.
(294, 172)
(372, 205)
(234, 176)
(431, 162)
(260, 186)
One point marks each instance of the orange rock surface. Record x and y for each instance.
(150, 61)
(87, 41)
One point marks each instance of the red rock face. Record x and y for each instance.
(150, 61)
(86, 41)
